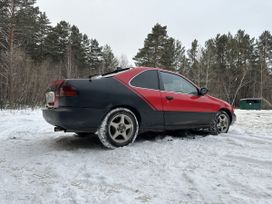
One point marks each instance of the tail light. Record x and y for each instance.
(57, 89)
(68, 90)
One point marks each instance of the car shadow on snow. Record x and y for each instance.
(74, 142)
(183, 134)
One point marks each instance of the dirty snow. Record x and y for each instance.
(40, 166)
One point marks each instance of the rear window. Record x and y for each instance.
(148, 79)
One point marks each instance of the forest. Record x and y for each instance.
(231, 66)
(33, 53)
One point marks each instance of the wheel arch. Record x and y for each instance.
(228, 112)
(132, 109)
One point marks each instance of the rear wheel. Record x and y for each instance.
(220, 124)
(119, 128)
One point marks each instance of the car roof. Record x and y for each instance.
(147, 68)
(142, 69)
(156, 68)
(116, 72)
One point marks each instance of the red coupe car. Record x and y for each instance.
(117, 106)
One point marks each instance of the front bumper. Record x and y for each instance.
(74, 119)
(233, 118)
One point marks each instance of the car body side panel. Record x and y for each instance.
(188, 110)
(188, 103)
(184, 111)
(99, 96)
(186, 120)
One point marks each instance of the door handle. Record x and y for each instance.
(169, 98)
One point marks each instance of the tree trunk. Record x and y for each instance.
(9, 89)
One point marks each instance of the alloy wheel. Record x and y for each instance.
(222, 123)
(121, 128)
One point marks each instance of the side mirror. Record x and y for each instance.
(203, 91)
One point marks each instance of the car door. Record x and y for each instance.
(183, 107)
(146, 85)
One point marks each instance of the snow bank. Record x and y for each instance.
(40, 166)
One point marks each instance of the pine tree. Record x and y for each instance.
(75, 51)
(110, 62)
(36, 47)
(241, 52)
(76, 39)
(86, 46)
(154, 48)
(167, 60)
(17, 20)
(96, 57)
(181, 61)
(57, 41)
(194, 72)
(27, 21)
(4, 19)
(207, 62)
(264, 44)
(265, 50)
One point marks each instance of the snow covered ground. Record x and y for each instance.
(40, 166)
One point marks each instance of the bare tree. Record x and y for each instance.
(123, 61)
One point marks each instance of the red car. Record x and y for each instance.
(117, 106)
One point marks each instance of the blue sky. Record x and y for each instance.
(124, 24)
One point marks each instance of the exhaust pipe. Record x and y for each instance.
(59, 129)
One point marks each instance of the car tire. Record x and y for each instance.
(119, 128)
(220, 124)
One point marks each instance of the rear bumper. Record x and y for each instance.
(74, 119)
(233, 118)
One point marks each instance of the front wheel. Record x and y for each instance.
(119, 128)
(220, 124)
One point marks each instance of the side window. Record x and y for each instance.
(172, 82)
(148, 79)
